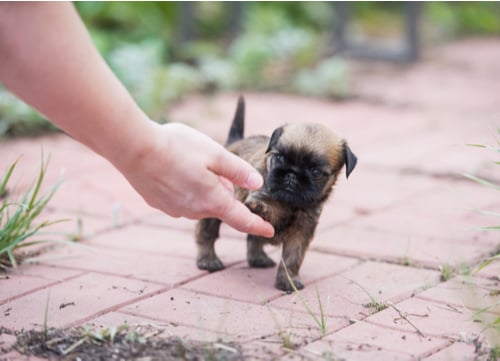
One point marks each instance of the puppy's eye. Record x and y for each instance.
(316, 172)
(279, 158)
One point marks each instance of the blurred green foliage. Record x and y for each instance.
(465, 18)
(280, 46)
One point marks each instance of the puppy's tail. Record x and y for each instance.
(238, 126)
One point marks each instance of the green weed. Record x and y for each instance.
(18, 219)
(374, 303)
(491, 324)
(321, 321)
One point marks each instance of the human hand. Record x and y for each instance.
(185, 173)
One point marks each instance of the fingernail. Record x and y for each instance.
(254, 180)
(271, 231)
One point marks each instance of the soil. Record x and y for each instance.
(84, 345)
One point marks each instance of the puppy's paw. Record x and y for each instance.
(211, 264)
(259, 208)
(261, 261)
(282, 283)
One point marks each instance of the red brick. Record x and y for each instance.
(84, 297)
(29, 278)
(456, 351)
(348, 294)
(437, 214)
(353, 241)
(242, 320)
(432, 319)
(168, 241)
(466, 293)
(235, 282)
(364, 337)
(132, 265)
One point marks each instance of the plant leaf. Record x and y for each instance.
(491, 228)
(7, 176)
(487, 262)
(482, 181)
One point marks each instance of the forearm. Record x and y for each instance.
(47, 58)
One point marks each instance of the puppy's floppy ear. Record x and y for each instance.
(274, 138)
(350, 159)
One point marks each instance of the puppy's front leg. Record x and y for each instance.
(207, 232)
(292, 256)
(256, 256)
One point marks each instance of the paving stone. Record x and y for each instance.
(81, 196)
(457, 220)
(72, 301)
(432, 319)
(363, 188)
(121, 193)
(263, 350)
(266, 111)
(465, 293)
(236, 282)
(456, 351)
(353, 241)
(59, 150)
(364, 337)
(346, 352)
(164, 221)
(76, 225)
(157, 268)
(162, 240)
(244, 321)
(29, 278)
(350, 293)
(491, 271)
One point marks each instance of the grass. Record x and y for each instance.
(374, 303)
(448, 271)
(491, 324)
(321, 321)
(19, 219)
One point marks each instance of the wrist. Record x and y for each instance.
(135, 144)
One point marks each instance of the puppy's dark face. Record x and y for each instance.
(303, 162)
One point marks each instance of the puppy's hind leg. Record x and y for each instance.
(207, 232)
(256, 256)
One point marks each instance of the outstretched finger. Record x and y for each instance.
(236, 170)
(240, 218)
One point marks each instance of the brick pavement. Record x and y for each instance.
(403, 216)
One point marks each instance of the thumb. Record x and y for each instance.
(236, 170)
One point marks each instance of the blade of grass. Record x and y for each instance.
(321, 324)
(485, 309)
(491, 228)
(487, 262)
(20, 224)
(488, 213)
(484, 146)
(7, 176)
(481, 181)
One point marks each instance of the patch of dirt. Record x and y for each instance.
(116, 344)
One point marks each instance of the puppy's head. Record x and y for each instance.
(303, 162)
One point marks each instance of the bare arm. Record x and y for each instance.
(47, 58)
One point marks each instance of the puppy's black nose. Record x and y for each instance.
(290, 179)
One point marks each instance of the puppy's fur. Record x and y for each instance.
(300, 164)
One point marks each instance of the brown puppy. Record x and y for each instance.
(300, 164)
